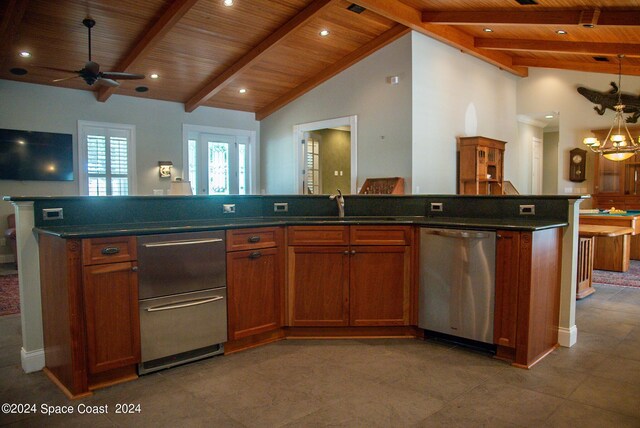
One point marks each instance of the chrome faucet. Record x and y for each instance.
(340, 201)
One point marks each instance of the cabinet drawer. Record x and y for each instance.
(108, 250)
(250, 239)
(318, 235)
(380, 235)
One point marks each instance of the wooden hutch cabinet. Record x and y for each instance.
(616, 184)
(481, 165)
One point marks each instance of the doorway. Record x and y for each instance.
(325, 153)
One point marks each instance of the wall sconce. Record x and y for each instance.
(164, 169)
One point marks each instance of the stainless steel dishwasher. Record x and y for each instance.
(457, 282)
(183, 298)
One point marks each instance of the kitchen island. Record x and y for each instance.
(375, 228)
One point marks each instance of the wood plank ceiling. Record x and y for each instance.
(205, 52)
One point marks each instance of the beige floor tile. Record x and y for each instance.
(584, 416)
(610, 395)
(510, 404)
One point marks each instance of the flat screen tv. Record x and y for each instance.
(28, 155)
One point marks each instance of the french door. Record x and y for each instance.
(218, 164)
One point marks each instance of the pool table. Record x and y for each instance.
(615, 248)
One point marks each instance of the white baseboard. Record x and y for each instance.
(7, 258)
(32, 361)
(567, 337)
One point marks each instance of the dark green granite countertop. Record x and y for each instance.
(142, 228)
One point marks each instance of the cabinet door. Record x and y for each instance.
(506, 304)
(379, 290)
(318, 286)
(111, 312)
(254, 287)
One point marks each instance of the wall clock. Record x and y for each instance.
(577, 165)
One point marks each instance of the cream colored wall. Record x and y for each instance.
(335, 155)
(550, 163)
(454, 95)
(384, 119)
(556, 90)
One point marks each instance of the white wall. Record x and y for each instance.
(454, 95)
(527, 131)
(383, 110)
(550, 163)
(158, 130)
(555, 90)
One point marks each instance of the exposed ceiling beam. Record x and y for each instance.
(150, 38)
(412, 18)
(379, 42)
(594, 17)
(12, 17)
(628, 49)
(594, 67)
(226, 77)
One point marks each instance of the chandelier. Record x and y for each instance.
(618, 145)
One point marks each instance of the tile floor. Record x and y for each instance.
(370, 383)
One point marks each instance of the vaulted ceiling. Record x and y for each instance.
(205, 52)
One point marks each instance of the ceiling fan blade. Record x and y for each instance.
(65, 78)
(121, 75)
(107, 82)
(63, 70)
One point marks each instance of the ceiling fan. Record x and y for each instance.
(91, 73)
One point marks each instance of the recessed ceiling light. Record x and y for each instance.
(242, 90)
(154, 76)
(228, 3)
(561, 32)
(25, 54)
(324, 32)
(487, 30)
(18, 71)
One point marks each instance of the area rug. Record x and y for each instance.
(9, 295)
(630, 278)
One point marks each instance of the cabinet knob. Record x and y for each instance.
(134, 268)
(346, 252)
(254, 239)
(498, 236)
(255, 255)
(353, 252)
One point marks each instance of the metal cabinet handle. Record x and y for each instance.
(183, 305)
(108, 251)
(255, 255)
(254, 239)
(185, 242)
(134, 268)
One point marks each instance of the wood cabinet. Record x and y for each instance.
(255, 281)
(527, 295)
(616, 184)
(480, 166)
(111, 315)
(366, 281)
(91, 328)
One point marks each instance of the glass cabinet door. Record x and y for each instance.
(609, 176)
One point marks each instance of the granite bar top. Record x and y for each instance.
(146, 228)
